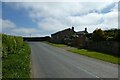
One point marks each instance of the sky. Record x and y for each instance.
(46, 18)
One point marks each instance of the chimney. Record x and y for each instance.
(85, 29)
(73, 28)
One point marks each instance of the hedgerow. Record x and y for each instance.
(15, 57)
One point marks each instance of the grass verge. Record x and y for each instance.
(57, 45)
(15, 58)
(97, 55)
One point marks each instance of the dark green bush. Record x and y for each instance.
(98, 35)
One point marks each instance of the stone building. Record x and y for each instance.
(80, 38)
(70, 37)
(62, 36)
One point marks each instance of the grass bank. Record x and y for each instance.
(97, 55)
(57, 45)
(92, 54)
(15, 57)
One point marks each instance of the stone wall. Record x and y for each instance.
(110, 47)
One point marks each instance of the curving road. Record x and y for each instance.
(53, 62)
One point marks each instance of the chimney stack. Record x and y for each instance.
(85, 29)
(73, 28)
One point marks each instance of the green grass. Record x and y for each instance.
(15, 58)
(97, 55)
(57, 45)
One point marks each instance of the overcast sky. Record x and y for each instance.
(45, 18)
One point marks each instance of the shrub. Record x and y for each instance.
(98, 35)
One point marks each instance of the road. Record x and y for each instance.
(53, 62)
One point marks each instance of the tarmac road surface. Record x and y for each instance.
(53, 62)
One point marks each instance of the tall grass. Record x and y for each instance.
(15, 57)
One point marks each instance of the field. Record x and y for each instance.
(15, 57)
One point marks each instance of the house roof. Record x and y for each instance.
(81, 32)
(62, 31)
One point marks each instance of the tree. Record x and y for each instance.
(98, 35)
(111, 34)
(117, 36)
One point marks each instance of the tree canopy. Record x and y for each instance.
(98, 35)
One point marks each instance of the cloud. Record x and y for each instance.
(56, 16)
(86, 20)
(56, 10)
(10, 27)
(52, 17)
(59, 0)
(0, 25)
(50, 24)
(6, 24)
(24, 30)
(111, 19)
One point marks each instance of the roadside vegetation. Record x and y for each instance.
(97, 55)
(15, 57)
(90, 53)
(0, 56)
(57, 45)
